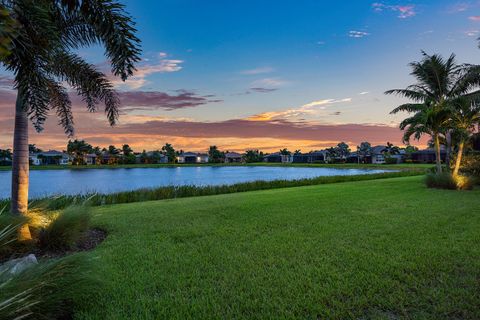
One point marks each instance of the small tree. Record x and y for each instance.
(215, 155)
(465, 119)
(342, 150)
(169, 151)
(78, 149)
(252, 156)
(364, 150)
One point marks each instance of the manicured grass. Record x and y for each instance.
(380, 249)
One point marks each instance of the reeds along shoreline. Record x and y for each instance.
(172, 192)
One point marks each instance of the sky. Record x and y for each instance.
(268, 74)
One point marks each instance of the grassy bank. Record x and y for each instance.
(378, 249)
(172, 192)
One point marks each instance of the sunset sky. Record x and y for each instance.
(265, 74)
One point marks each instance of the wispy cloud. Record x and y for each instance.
(269, 83)
(311, 108)
(403, 11)
(263, 90)
(474, 18)
(357, 34)
(460, 7)
(260, 70)
(139, 79)
(364, 93)
(472, 33)
(154, 100)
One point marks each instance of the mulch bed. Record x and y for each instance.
(88, 241)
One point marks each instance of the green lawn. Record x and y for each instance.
(382, 249)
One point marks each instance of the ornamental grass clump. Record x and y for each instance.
(65, 229)
(447, 181)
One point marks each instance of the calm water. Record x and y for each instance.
(55, 182)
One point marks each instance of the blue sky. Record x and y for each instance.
(305, 47)
(299, 63)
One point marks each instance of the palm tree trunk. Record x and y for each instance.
(448, 138)
(20, 166)
(458, 161)
(438, 159)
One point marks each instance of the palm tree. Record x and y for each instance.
(364, 150)
(426, 121)
(465, 117)
(78, 149)
(439, 82)
(126, 150)
(41, 42)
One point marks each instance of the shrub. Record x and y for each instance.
(447, 181)
(390, 160)
(9, 244)
(65, 229)
(42, 291)
(471, 166)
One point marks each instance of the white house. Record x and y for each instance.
(378, 154)
(50, 157)
(202, 158)
(90, 159)
(231, 157)
(190, 157)
(34, 160)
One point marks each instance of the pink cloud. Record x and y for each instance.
(404, 11)
(153, 100)
(474, 18)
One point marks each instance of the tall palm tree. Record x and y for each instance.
(428, 121)
(439, 83)
(42, 38)
(465, 118)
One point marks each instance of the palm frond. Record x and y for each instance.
(32, 85)
(90, 83)
(408, 93)
(115, 29)
(60, 102)
(409, 107)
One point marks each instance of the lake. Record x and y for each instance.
(78, 181)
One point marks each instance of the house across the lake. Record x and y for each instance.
(51, 157)
(311, 157)
(378, 154)
(191, 157)
(278, 157)
(427, 156)
(232, 157)
(5, 161)
(90, 159)
(151, 157)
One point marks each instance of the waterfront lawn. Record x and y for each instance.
(382, 249)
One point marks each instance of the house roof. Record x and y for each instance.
(187, 154)
(49, 153)
(232, 155)
(379, 149)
